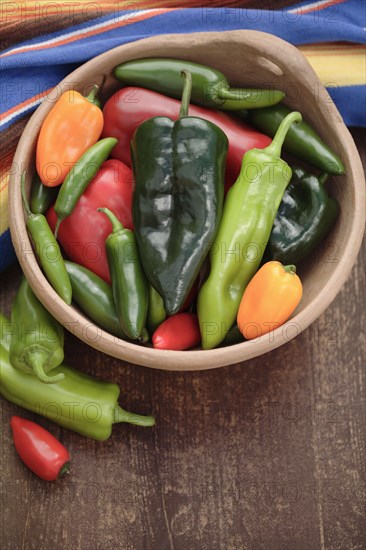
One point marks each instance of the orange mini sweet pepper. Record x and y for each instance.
(269, 299)
(72, 126)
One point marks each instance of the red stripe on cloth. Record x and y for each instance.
(318, 6)
(24, 104)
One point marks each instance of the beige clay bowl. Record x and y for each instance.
(246, 58)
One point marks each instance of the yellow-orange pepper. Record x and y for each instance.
(72, 126)
(269, 299)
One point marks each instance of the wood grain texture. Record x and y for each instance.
(264, 455)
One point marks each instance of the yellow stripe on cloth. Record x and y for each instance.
(337, 64)
(4, 216)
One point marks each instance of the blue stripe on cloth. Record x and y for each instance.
(7, 253)
(351, 102)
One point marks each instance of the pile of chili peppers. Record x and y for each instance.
(169, 224)
(173, 202)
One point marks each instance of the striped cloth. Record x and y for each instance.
(330, 33)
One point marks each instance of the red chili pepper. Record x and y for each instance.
(84, 232)
(38, 449)
(178, 332)
(129, 107)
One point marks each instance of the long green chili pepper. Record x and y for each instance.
(209, 86)
(129, 285)
(80, 176)
(37, 338)
(249, 212)
(78, 402)
(302, 140)
(47, 250)
(95, 297)
(156, 313)
(42, 196)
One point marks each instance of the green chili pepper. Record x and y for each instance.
(47, 250)
(80, 176)
(179, 171)
(305, 216)
(249, 212)
(302, 140)
(37, 339)
(95, 297)
(42, 196)
(209, 86)
(129, 285)
(156, 312)
(78, 402)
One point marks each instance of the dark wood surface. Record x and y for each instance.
(264, 455)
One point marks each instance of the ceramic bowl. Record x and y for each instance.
(246, 58)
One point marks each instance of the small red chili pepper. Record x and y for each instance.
(178, 332)
(38, 449)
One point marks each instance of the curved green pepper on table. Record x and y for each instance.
(79, 402)
(37, 339)
(249, 212)
(209, 86)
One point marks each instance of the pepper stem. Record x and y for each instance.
(323, 178)
(65, 469)
(186, 96)
(290, 269)
(91, 97)
(58, 222)
(116, 224)
(270, 97)
(24, 198)
(120, 415)
(36, 360)
(275, 147)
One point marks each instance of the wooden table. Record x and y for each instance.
(264, 455)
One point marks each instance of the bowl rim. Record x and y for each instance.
(191, 359)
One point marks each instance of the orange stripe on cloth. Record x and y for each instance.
(318, 6)
(25, 103)
(84, 33)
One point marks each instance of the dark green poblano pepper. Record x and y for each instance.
(37, 339)
(179, 170)
(305, 216)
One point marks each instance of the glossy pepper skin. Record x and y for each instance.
(47, 250)
(41, 196)
(80, 175)
(83, 233)
(270, 298)
(44, 455)
(179, 172)
(80, 402)
(37, 339)
(209, 86)
(305, 216)
(302, 140)
(156, 313)
(129, 285)
(129, 107)
(95, 297)
(72, 126)
(249, 211)
(178, 332)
